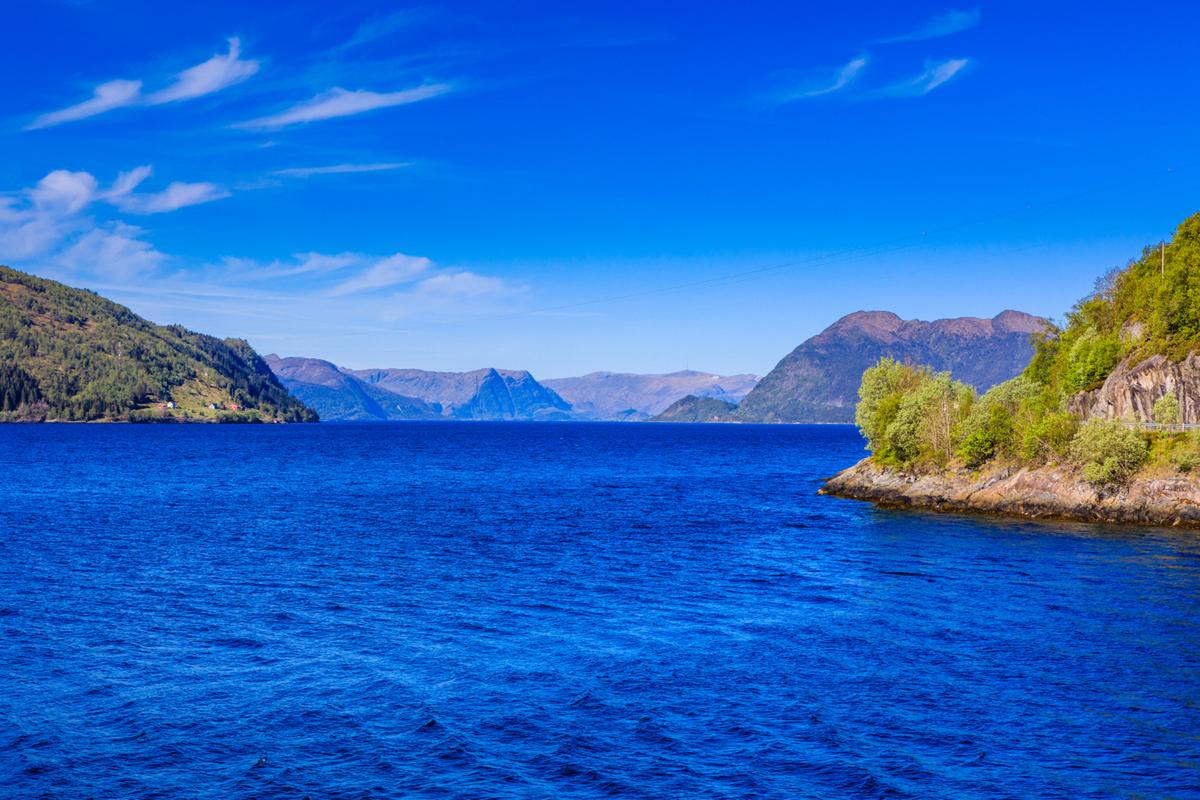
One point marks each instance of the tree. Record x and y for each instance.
(1166, 410)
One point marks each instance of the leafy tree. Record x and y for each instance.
(1166, 410)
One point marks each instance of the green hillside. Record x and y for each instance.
(1145, 316)
(69, 354)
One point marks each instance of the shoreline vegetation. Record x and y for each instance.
(1100, 426)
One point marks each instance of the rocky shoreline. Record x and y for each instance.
(1047, 492)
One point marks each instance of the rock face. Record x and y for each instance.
(697, 409)
(629, 396)
(398, 394)
(1131, 390)
(1033, 493)
(818, 381)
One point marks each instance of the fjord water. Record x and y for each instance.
(564, 610)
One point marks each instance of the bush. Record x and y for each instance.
(1108, 452)
(991, 428)
(1166, 410)
(1048, 437)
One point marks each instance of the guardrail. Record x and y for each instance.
(1178, 427)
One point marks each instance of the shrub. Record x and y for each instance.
(991, 428)
(1166, 410)
(1048, 437)
(1108, 452)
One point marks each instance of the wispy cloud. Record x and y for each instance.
(215, 74)
(942, 25)
(51, 222)
(827, 84)
(378, 28)
(177, 195)
(339, 102)
(106, 97)
(338, 169)
(391, 271)
(936, 74)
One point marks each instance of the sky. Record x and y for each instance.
(570, 187)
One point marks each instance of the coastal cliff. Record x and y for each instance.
(1041, 492)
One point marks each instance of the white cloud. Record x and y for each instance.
(338, 169)
(213, 75)
(106, 97)
(113, 249)
(49, 223)
(390, 271)
(935, 75)
(840, 79)
(65, 192)
(126, 182)
(460, 284)
(942, 25)
(177, 195)
(246, 269)
(380, 27)
(338, 102)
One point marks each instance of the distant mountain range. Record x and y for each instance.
(396, 394)
(69, 354)
(629, 396)
(818, 381)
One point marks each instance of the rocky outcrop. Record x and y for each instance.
(1054, 492)
(1134, 386)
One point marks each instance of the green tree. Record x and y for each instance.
(1166, 410)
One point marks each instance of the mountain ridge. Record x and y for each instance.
(404, 393)
(818, 380)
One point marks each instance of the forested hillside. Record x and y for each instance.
(69, 354)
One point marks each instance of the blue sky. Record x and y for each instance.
(567, 187)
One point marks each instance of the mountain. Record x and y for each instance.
(818, 381)
(625, 396)
(697, 409)
(341, 396)
(391, 394)
(69, 354)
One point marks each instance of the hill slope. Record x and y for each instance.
(397, 394)
(818, 381)
(697, 409)
(69, 354)
(616, 395)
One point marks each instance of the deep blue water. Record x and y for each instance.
(564, 610)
